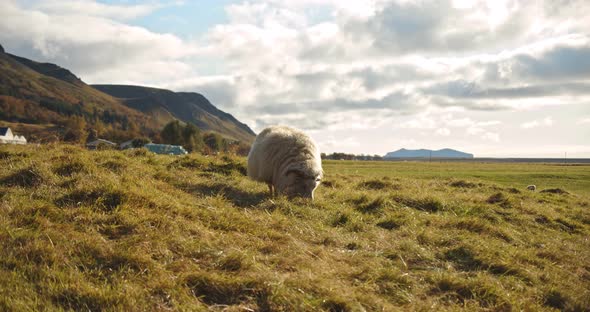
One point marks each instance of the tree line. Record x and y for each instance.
(79, 122)
(186, 135)
(194, 140)
(344, 156)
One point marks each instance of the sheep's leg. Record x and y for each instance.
(271, 190)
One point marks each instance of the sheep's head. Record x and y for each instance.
(299, 181)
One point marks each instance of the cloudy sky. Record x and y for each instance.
(495, 78)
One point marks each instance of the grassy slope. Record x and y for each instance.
(135, 231)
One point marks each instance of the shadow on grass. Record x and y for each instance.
(28, 177)
(114, 166)
(236, 196)
(220, 290)
(12, 155)
(500, 199)
(463, 184)
(100, 200)
(70, 168)
(81, 300)
(377, 185)
(555, 191)
(365, 204)
(427, 204)
(226, 166)
(465, 260)
(459, 291)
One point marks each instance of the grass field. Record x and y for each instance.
(133, 231)
(574, 177)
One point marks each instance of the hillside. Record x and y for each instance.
(186, 106)
(49, 69)
(426, 153)
(45, 94)
(42, 98)
(134, 231)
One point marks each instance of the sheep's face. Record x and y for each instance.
(297, 184)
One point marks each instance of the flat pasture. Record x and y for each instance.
(575, 177)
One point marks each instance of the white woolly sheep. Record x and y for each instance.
(531, 187)
(286, 159)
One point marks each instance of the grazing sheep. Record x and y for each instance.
(531, 187)
(287, 160)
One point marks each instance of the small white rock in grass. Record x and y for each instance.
(531, 187)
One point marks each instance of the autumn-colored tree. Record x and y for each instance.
(172, 133)
(191, 135)
(214, 142)
(140, 142)
(241, 149)
(75, 129)
(92, 135)
(133, 129)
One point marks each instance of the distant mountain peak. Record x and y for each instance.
(426, 153)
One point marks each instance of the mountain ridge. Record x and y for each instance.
(190, 107)
(427, 153)
(35, 93)
(48, 69)
(30, 97)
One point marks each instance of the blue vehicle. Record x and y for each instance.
(166, 149)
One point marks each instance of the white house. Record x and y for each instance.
(7, 137)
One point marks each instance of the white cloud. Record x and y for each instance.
(475, 130)
(423, 121)
(468, 122)
(491, 136)
(583, 121)
(462, 122)
(545, 122)
(443, 132)
(488, 123)
(93, 46)
(443, 67)
(338, 144)
(92, 8)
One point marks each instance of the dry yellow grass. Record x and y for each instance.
(111, 231)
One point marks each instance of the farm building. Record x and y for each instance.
(100, 143)
(166, 149)
(7, 137)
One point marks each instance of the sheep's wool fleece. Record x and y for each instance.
(277, 148)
